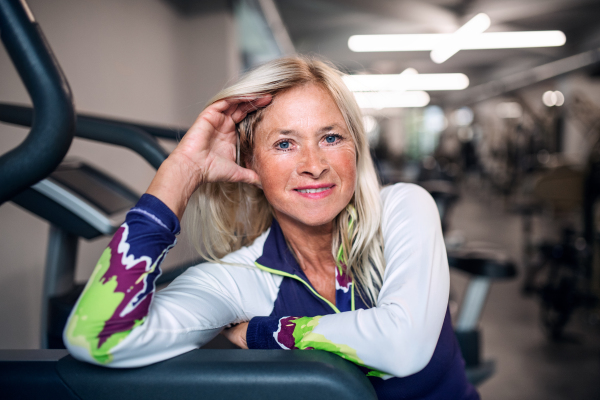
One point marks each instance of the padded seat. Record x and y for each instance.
(482, 260)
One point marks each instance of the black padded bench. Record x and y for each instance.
(199, 374)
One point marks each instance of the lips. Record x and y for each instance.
(315, 191)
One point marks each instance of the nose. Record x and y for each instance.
(312, 162)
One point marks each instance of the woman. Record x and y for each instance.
(306, 252)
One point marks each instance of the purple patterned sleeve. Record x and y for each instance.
(117, 297)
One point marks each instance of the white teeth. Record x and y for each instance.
(313, 190)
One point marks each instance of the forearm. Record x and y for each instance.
(117, 297)
(378, 339)
(174, 183)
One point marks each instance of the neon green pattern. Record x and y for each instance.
(305, 338)
(101, 301)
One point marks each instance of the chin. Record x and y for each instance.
(317, 222)
(311, 219)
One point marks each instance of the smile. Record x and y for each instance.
(313, 190)
(315, 193)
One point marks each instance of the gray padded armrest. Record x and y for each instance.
(224, 374)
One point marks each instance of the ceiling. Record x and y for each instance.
(324, 26)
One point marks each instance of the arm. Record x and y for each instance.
(398, 337)
(115, 307)
(120, 322)
(117, 296)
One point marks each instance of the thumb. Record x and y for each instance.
(247, 176)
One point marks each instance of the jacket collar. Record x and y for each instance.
(276, 253)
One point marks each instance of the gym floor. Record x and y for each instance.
(528, 366)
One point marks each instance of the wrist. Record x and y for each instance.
(174, 184)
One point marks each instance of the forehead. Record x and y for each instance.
(304, 108)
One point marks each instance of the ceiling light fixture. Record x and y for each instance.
(553, 98)
(380, 100)
(407, 80)
(429, 41)
(453, 43)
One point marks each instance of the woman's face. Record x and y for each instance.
(305, 157)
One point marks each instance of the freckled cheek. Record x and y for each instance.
(345, 165)
(274, 174)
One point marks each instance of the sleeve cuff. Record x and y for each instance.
(155, 210)
(260, 333)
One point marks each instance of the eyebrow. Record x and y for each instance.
(291, 132)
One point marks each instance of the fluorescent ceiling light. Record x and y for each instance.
(379, 100)
(405, 81)
(454, 42)
(515, 40)
(429, 41)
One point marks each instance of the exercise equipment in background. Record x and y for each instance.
(483, 263)
(565, 274)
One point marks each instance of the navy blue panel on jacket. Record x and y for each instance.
(442, 378)
(294, 297)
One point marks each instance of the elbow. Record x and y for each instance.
(404, 360)
(409, 352)
(85, 348)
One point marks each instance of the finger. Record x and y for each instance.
(232, 108)
(230, 105)
(220, 106)
(241, 112)
(244, 108)
(246, 175)
(224, 104)
(225, 107)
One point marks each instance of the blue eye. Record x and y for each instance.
(284, 145)
(331, 139)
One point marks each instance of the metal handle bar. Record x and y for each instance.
(53, 122)
(99, 129)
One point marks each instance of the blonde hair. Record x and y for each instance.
(223, 217)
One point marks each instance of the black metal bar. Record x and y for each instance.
(101, 130)
(12, 112)
(122, 135)
(163, 132)
(53, 124)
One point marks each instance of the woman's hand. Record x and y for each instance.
(207, 153)
(237, 334)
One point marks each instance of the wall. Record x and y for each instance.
(137, 60)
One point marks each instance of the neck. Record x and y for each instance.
(311, 244)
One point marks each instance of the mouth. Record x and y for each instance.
(313, 190)
(316, 191)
